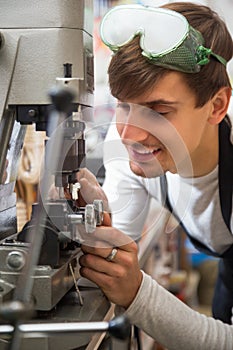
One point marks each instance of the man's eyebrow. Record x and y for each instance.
(159, 102)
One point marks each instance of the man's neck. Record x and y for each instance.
(205, 158)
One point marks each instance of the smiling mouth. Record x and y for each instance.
(143, 154)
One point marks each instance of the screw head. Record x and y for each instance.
(15, 260)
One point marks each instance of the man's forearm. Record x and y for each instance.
(173, 324)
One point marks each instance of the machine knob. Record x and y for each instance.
(119, 327)
(99, 211)
(93, 215)
(90, 218)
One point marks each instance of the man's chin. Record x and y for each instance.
(145, 171)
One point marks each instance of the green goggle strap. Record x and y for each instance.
(203, 55)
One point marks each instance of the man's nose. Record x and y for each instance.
(133, 133)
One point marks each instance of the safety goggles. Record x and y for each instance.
(166, 38)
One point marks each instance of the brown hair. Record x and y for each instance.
(132, 75)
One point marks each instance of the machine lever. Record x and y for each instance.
(119, 327)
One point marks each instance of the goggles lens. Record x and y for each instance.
(166, 38)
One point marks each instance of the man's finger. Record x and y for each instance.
(106, 236)
(113, 237)
(103, 252)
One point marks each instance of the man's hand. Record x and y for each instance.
(120, 278)
(91, 190)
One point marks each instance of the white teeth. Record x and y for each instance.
(147, 152)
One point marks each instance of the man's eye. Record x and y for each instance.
(161, 109)
(162, 112)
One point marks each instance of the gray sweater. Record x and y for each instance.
(175, 325)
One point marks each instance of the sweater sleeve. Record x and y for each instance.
(173, 324)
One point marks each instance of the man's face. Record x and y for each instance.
(175, 140)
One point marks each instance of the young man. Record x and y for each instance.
(173, 96)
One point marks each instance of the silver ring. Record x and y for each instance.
(112, 255)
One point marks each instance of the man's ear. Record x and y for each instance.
(220, 104)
